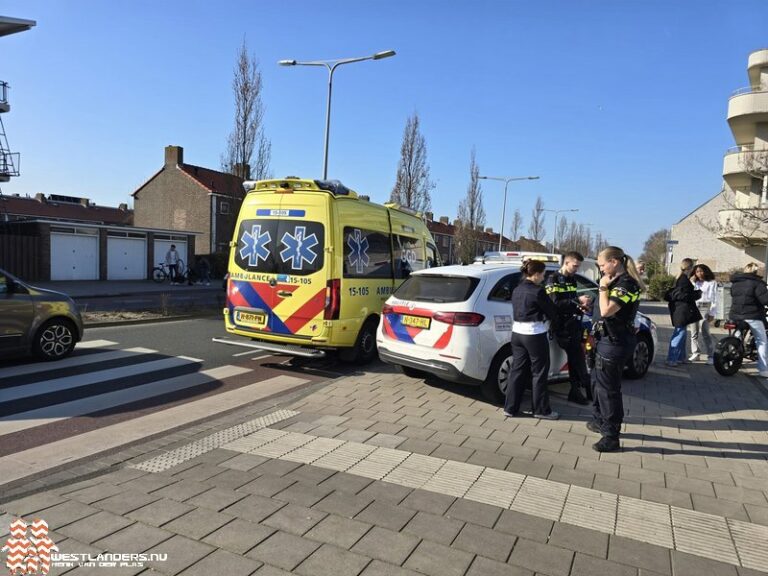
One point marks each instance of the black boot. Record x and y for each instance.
(606, 444)
(576, 397)
(588, 392)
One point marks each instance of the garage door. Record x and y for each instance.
(126, 258)
(74, 257)
(162, 246)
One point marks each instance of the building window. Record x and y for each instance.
(223, 207)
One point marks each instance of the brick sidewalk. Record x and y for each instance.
(465, 491)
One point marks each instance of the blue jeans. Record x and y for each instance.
(677, 345)
(758, 331)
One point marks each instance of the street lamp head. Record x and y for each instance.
(385, 54)
(533, 177)
(287, 62)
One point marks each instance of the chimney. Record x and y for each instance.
(40, 197)
(444, 220)
(243, 170)
(489, 230)
(85, 202)
(430, 216)
(123, 207)
(174, 155)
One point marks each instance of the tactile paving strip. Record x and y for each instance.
(217, 440)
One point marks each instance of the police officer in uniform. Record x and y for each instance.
(561, 288)
(619, 299)
(531, 312)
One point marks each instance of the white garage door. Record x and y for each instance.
(162, 246)
(126, 258)
(74, 257)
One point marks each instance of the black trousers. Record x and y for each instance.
(530, 365)
(607, 406)
(577, 364)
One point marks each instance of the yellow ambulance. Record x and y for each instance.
(311, 264)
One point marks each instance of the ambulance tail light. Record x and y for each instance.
(459, 318)
(332, 299)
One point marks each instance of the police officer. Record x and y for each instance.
(531, 312)
(619, 299)
(561, 288)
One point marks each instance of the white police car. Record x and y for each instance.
(455, 322)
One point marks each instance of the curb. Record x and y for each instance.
(174, 318)
(149, 293)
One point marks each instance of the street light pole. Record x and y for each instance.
(504, 207)
(331, 66)
(557, 213)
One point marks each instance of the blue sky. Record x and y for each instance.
(619, 106)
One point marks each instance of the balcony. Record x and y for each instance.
(742, 163)
(743, 227)
(757, 60)
(746, 108)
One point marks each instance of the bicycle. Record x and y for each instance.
(162, 272)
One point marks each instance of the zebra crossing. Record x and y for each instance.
(104, 395)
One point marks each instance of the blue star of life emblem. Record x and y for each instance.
(254, 245)
(299, 247)
(358, 244)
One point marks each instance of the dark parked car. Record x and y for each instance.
(33, 320)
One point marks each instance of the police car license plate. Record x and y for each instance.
(250, 319)
(416, 321)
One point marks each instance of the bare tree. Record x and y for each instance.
(471, 215)
(517, 225)
(655, 247)
(536, 230)
(562, 232)
(413, 185)
(600, 242)
(754, 161)
(247, 135)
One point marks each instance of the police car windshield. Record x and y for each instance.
(436, 288)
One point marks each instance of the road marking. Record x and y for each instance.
(59, 384)
(55, 454)
(71, 362)
(49, 414)
(88, 344)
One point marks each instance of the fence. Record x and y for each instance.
(19, 255)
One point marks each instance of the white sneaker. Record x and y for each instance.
(693, 357)
(711, 360)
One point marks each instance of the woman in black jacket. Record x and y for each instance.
(683, 311)
(749, 297)
(532, 310)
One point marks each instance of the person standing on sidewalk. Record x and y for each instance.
(172, 260)
(619, 299)
(561, 288)
(532, 312)
(749, 297)
(682, 311)
(704, 280)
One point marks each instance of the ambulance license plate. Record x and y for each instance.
(250, 319)
(416, 321)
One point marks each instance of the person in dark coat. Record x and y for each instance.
(532, 311)
(683, 311)
(749, 297)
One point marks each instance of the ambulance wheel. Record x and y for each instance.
(365, 349)
(494, 388)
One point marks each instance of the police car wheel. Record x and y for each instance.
(494, 387)
(54, 340)
(641, 358)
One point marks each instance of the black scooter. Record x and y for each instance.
(731, 351)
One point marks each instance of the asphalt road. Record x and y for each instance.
(125, 372)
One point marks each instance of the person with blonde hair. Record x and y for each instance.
(618, 299)
(749, 297)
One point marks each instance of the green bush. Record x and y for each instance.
(659, 285)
